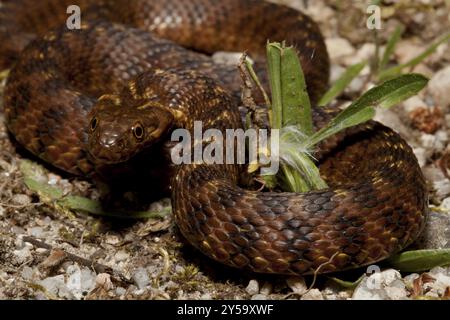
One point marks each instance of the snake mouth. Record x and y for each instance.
(112, 153)
(108, 157)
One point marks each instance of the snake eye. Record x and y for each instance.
(94, 123)
(138, 131)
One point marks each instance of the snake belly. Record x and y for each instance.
(377, 201)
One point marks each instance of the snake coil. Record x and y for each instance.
(120, 84)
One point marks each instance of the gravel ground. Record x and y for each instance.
(47, 252)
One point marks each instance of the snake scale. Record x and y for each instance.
(138, 69)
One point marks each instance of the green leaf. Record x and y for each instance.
(274, 64)
(295, 99)
(384, 95)
(339, 86)
(391, 72)
(390, 47)
(404, 92)
(420, 260)
(342, 123)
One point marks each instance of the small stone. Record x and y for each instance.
(313, 294)
(446, 204)
(426, 119)
(338, 48)
(424, 70)
(22, 255)
(441, 184)
(80, 281)
(436, 234)
(336, 72)
(383, 285)
(409, 280)
(56, 286)
(112, 239)
(120, 291)
(297, 284)
(364, 53)
(21, 199)
(356, 85)
(266, 289)
(439, 87)
(252, 287)
(421, 155)
(430, 141)
(391, 119)
(121, 256)
(206, 296)
(27, 273)
(19, 243)
(36, 232)
(406, 50)
(259, 297)
(141, 278)
(229, 58)
(103, 280)
(413, 103)
(442, 280)
(316, 9)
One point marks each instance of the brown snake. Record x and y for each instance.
(73, 99)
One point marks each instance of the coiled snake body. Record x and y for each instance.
(106, 92)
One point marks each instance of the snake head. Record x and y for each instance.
(118, 133)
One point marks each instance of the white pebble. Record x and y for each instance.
(121, 256)
(383, 285)
(21, 199)
(439, 87)
(36, 232)
(259, 297)
(141, 278)
(229, 58)
(22, 255)
(56, 286)
(120, 291)
(446, 204)
(313, 294)
(104, 280)
(27, 273)
(252, 287)
(421, 155)
(414, 103)
(339, 47)
(80, 281)
(297, 284)
(266, 289)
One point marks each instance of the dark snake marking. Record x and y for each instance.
(73, 99)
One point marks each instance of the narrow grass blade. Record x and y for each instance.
(420, 260)
(390, 46)
(339, 86)
(274, 63)
(384, 95)
(392, 72)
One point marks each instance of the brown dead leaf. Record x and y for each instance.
(56, 257)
